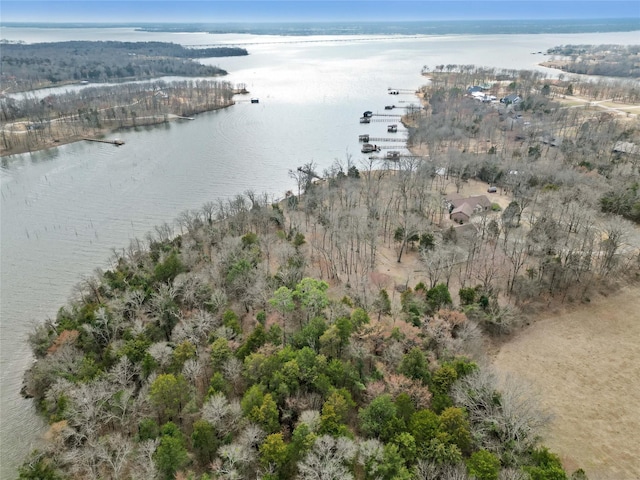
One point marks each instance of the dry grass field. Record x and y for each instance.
(585, 363)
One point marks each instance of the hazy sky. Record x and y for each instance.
(212, 11)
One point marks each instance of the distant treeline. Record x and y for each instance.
(606, 60)
(37, 65)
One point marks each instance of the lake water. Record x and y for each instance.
(64, 210)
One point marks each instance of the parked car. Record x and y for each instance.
(492, 189)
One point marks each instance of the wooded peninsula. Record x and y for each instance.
(30, 122)
(342, 332)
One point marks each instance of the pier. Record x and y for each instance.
(115, 142)
(368, 139)
(397, 91)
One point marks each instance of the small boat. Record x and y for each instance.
(368, 148)
(255, 100)
(393, 155)
(394, 92)
(367, 114)
(389, 107)
(365, 120)
(363, 138)
(392, 128)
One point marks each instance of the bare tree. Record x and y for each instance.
(504, 414)
(328, 459)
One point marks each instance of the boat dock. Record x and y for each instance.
(368, 139)
(115, 142)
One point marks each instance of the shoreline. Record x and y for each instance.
(103, 132)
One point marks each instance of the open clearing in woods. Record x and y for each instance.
(585, 363)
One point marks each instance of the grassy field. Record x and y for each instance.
(585, 363)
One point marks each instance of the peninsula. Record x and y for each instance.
(34, 122)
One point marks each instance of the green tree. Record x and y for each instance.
(204, 441)
(545, 466)
(171, 455)
(467, 295)
(230, 320)
(220, 352)
(255, 340)
(379, 418)
(443, 378)
(260, 408)
(359, 317)
(38, 467)
(148, 429)
(382, 304)
(484, 465)
(441, 452)
(169, 269)
(427, 242)
(404, 407)
(312, 295)
(273, 453)
(169, 394)
(424, 426)
(334, 414)
(438, 297)
(183, 352)
(309, 335)
(302, 440)
(455, 424)
(393, 464)
(282, 301)
(406, 446)
(330, 342)
(414, 365)
(298, 240)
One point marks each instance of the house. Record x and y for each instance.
(626, 147)
(461, 208)
(462, 214)
(512, 99)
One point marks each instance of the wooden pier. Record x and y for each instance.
(369, 139)
(115, 142)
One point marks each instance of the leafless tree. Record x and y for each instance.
(327, 459)
(504, 413)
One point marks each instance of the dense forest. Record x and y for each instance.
(29, 66)
(605, 60)
(260, 339)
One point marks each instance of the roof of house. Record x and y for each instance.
(472, 201)
(626, 147)
(511, 98)
(465, 209)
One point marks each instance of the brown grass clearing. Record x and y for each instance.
(584, 362)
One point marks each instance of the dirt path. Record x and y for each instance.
(586, 364)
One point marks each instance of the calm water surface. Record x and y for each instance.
(64, 210)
